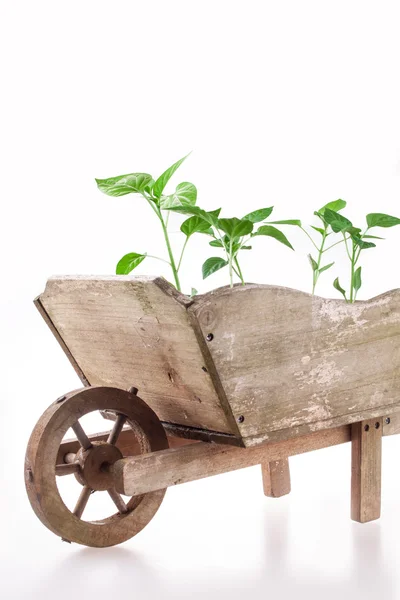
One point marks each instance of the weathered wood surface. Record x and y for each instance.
(366, 459)
(156, 470)
(276, 477)
(262, 363)
(291, 363)
(125, 331)
(129, 445)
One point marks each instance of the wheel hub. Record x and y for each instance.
(95, 465)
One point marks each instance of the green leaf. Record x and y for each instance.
(195, 225)
(193, 292)
(210, 216)
(381, 220)
(134, 183)
(361, 244)
(287, 222)
(321, 231)
(259, 215)
(373, 237)
(275, 233)
(185, 193)
(313, 264)
(214, 213)
(357, 279)
(216, 244)
(339, 288)
(353, 231)
(235, 228)
(213, 264)
(336, 221)
(129, 262)
(162, 181)
(326, 267)
(335, 205)
(246, 247)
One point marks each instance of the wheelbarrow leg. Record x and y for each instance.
(276, 478)
(366, 457)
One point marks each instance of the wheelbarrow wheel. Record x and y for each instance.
(92, 466)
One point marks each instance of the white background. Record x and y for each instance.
(287, 103)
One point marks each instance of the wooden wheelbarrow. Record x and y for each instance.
(233, 378)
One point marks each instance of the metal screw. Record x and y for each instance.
(65, 540)
(210, 337)
(61, 399)
(387, 420)
(133, 390)
(366, 428)
(204, 369)
(241, 419)
(377, 425)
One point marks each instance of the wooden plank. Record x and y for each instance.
(366, 459)
(59, 339)
(276, 477)
(125, 331)
(158, 470)
(291, 363)
(127, 443)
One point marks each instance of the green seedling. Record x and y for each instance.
(152, 191)
(230, 235)
(320, 246)
(355, 242)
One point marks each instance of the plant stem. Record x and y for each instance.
(158, 258)
(320, 253)
(335, 244)
(230, 263)
(310, 238)
(239, 270)
(181, 256)
(353, 261)
(170, 254)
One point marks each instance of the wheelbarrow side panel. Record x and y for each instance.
(291, 363)
(124, 331)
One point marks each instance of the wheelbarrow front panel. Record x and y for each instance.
(123, 331)
(291, 363)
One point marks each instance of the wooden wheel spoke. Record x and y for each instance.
(81, 435)
(67, 469)
(82, 501)
(116, 430)
(118, 501)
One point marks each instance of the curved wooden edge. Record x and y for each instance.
(238, 288)
(187, 301)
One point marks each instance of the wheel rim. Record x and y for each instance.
(41, 467)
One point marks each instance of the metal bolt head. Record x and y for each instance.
(387, 420)
(241, 419)
(210, 337)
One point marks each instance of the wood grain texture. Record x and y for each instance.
(125, 331)
(129, 446)
(291, 363)
(156, 470)
(366, 459)
(276, 477)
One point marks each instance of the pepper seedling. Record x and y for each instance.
(325, 231)
(231, 235)
(355, 242)
(152, 191)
